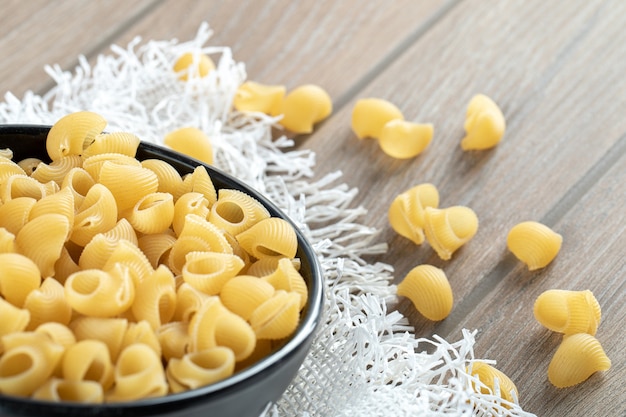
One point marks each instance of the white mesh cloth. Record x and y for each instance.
(364, 360)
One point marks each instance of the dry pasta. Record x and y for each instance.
(122, 279)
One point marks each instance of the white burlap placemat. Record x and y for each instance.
(364, 361)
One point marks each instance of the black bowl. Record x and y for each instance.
(247, 392)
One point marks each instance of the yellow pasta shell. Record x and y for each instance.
(68, 135)
(25, 368)
(303, 107)
(56, 170)
(277, 317)
(188, 302)
(131, 257)
(188, 203)
(370, 115)
(197, 369)
(192, 142)
(48, 304)
(534, 243)
(127, 183)
(287, 278)
(156, 247)
(15, 319)
(155, 301)
(199, 181)
(63, 390)
(449, 228)
(234, 333)
(244, 293)
(29, 165)
(93, 164)
(19, 276)
(254, 97)
(19, 185)
(196, 226)
(111, 331)
(406, 212)
(140, 331)
(192, 65)
(429, 290)
(88, 360)
(59, 203)
(493, 381)
(9, 168)
(174, 339)
(269, 238)
(170, 180)
(97, 214)
(484, 124)
(153, 213)
(577, 358)
(122, 230)
(57, 332)
(42, 240)
(14, 214)
(568, 312)
(402, 139)
(203, 324)
(80, 182)
(7, 241)
(234, 211)
(138, 374)
(115, 142)
(209, 271)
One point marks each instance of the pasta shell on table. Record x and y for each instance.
(493, 381)
(269, 238)
(406, 212)
(209, 271)
(153, 213)
(235, 211)
(244, 293)
(63, 390)
(577, 358)
(170, 181)
(429, 290)
(96, 293)
(568, 312)
(138, 374)
(286, 277)
(255, 97)
(111, 331)
(277, 317)
(69, 133)
(97, 214)
(199, 181)
(142, 332)
(534, 243)
(48, 304)
(174, 339)
(59, 203)
(88, 360)
(192, 142)
(198, 369)
(403, 139)
(484, 124)
(189, 203)
(370, 115)
(449, 228)
(115, 142)
(80, 182)
(42, 240)
(303, 107)
(155, 301)
(14, 214)
(15, 319)
(58, 333)
(56, 170)
(127, 183)
(156, 247)
(19, 276)
(192, 65)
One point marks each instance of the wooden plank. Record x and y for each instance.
(549, 123)
(291, 43)
(592, 257)
(36, 33)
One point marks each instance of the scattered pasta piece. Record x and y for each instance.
(568, 312)
(577, 358)
(406, 212)
(303, 107)
(484, 124)
(370, 115)
(534, 243)
(449, 228)
(192, 142)
(255, 97)
(191, 65)
(493, 381)
(429, 290)
(403, 140)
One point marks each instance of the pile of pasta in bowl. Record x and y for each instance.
(128, 277)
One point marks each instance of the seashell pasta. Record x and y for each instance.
(493, 381)
(123, 280)
(191, 141)
(534, 243)
(568, 312)
(370, 115)
(403, 140)
(484, 124)
(406, 212)
(449, 228)
(429, 290)
(190, 65)
(577, 358)
(303, 107)
(255, 97)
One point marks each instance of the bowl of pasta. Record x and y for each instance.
(137, 281)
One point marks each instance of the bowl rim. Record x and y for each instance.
(312, 314)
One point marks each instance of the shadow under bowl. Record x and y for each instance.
(247, 392)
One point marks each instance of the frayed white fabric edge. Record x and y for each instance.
(364, 360)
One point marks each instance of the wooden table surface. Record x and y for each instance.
(557, 69)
